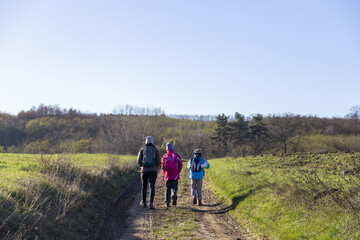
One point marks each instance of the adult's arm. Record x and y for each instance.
(140, 157)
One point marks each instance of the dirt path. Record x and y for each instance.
(128, 220)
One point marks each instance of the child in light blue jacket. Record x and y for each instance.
(197, 164)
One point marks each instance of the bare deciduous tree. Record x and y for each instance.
(355, 116)
(284, 129)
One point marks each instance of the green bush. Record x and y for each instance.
(329, 143)
(12, 149)
(38, 147)
(81, 146)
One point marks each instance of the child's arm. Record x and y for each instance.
(205, 164)
(180, 164)
(162, 162)
(189, 164)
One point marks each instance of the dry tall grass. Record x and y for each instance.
(61, 200)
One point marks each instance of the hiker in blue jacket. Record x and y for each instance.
(197, 164)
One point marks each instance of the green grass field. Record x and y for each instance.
(58, 196)
(306, 196)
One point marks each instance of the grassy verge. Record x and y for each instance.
(307, 196)
(58, 196)
(177, 222)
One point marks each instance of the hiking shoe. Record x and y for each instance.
(143, 204)
(174, 200)
(200, 203)
(194, 200)
(152, 206)
(167, 204)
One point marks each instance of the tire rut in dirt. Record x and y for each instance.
(114, 221)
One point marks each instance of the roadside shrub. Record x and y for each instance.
(59, 167)
(352, 143)
(81, 146)
(38, 147)
(328, 143)
(12, 149)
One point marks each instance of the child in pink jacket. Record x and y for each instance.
(171, 164)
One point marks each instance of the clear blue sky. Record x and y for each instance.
(186, 57)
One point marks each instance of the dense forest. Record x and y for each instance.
(52, 129)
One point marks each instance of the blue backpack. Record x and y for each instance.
(149, 156)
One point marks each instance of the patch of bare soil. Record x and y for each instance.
(126, 219)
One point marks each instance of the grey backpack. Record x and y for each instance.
(149, 156)
(196, 164)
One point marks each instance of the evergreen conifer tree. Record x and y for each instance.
(222, 134)
(258, 133)
(239, 129)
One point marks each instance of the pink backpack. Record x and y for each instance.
(170, 163)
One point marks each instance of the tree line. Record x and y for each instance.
(52, 129)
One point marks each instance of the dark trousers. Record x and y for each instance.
(146, 178)
(171, 186)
